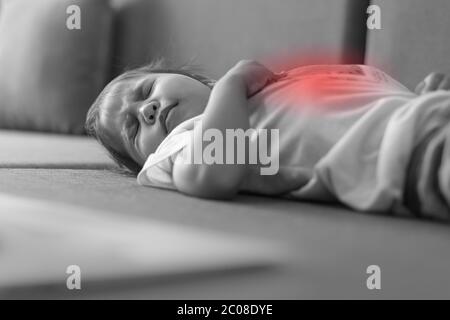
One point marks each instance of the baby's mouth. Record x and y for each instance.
(164, 115)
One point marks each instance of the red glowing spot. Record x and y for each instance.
(326, 83)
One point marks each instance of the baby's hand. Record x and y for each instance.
(255, 75)
(434, 81)
(285, 180)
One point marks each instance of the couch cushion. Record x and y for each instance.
(413, 40)
(44, 150)
(216, 34)
(331, 247)
(49, 74)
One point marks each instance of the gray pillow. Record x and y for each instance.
(49, 75)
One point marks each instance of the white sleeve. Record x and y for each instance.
(157, 170)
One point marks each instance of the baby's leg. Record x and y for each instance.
(427, 187)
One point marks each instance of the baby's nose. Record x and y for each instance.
(148, 112)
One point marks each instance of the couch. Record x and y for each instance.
(332, 246)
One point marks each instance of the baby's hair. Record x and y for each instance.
(125, 162)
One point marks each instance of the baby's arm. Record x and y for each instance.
(226, 109)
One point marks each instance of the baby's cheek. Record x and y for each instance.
(149, 141)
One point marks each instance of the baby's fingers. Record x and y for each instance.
(445, 84)
(432, 82)
(420, 87)
(280, 75)
(274, 77)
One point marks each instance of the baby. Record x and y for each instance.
(344, 133)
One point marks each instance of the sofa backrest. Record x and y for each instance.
(216, 34)
(413, 40)
(50, 73)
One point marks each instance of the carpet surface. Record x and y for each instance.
(331, 247)
(21, 149)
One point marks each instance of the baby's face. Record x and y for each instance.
(137, 114)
